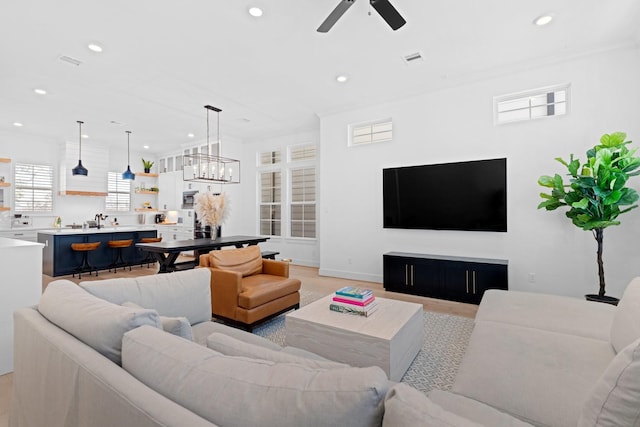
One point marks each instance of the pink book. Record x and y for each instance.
(352, 302)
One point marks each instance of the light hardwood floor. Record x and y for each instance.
(310, 281)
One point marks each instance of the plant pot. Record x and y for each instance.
(605, 299)
(147, 170)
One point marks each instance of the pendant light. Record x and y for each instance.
(128, 174)
(208, 167)
(79, 169)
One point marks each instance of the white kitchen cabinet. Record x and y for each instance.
(168, 197)
(28, 235)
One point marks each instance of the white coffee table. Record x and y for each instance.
(390, 338)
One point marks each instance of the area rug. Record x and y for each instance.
(444, 342)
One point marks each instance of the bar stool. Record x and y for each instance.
(85, 248)
(118, 245)
(150, 259)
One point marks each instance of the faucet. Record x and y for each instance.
(99, 217)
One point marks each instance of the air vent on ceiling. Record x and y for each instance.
(413, 57)
(69, 60)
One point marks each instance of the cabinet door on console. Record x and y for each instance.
(458, 281)
(489, 276)
(396, 273)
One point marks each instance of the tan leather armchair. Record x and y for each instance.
(247, 289)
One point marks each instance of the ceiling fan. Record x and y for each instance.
(383, 7)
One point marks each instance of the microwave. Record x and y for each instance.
(188, 199)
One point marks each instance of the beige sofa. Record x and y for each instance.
(142, 352)
(555, 361)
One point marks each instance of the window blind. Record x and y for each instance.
(33, 188)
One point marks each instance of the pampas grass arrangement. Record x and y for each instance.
(212, 210)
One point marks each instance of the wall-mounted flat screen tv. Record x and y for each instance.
(468, 195)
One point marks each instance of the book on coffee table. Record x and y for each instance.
(353, 292)
(353, 309)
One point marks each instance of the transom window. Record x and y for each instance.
(533, 104)
(33, 188)
(371, 132)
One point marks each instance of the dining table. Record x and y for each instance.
(167, 251)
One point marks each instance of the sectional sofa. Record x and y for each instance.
(143, 352)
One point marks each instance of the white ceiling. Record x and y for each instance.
(164, 60)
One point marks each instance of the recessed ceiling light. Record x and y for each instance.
(543, 20)
(146, 147)
(94, 47)
(255, 11)
(40, 91)
(85, 136)
(17, 124)
(342, 79)
(190, 135)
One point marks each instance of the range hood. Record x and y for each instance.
(96, 159)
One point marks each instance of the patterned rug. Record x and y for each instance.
(444, 342)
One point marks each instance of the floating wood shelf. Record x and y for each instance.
(81, 193)
(146, 192)
(151, 175)
(145, 210)
(4, 209)
(5, 184)
(5, 160)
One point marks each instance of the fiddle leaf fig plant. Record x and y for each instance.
(596, 193)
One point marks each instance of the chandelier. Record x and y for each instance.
(209, 167)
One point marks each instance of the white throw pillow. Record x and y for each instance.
(615, 399)
(174, 325)
(406, 406)
(94, 321)
(230, 346)
(239, 392)
(625, 328)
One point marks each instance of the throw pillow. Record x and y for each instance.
(179, 326)
(615, 399)
(94, 321)
(406, 406)
(230, 346)
(239, 392)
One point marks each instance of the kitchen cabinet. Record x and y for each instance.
(168, 195)
(453, 278)
(28, 235)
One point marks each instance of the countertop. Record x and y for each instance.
(6, 243)
(117, 229)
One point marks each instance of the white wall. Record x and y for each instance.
(457, 125)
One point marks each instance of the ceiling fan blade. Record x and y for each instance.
(335, 15)
(388, 13)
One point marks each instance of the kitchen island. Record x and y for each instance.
(58, 259)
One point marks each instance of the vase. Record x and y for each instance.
(147, 170)
(211, 232)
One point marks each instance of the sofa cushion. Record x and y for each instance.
(237, 391)
(233, 347)
(174, 325)
(94, 321)
(407, 407)
(539, 376)
(615, 400)
(548, 312)
(201, 332)
(626, 322)
(184, 293)
(474, 410)
(246, 261)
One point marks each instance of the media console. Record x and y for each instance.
(452, 278)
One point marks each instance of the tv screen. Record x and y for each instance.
(449, 196)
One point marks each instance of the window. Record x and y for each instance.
(34, 188)
(270, 203)
(303, 202)
(118, 193)
(533, 104)
(269, 158)
(368, 133)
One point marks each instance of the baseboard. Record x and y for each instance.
(305, 263)
(350, 275)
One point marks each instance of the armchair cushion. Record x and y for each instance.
(262, 288)
(246, 261)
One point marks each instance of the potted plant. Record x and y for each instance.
(597, 193)
(147, 164)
